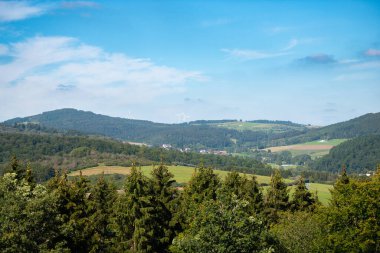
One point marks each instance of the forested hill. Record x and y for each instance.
(358, 155)
(364, 125)
(196, 136)
(51, 150)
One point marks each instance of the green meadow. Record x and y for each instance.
(182, 175)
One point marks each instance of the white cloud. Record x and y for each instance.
(293, 43)
(55, 72)
(3, 49)
(18, 10)
(246, 54)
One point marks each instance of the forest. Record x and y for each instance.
(207, 215)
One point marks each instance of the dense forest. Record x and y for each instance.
(358, 155)
(208, 215)
(50, 151)
(361, 126)
(196, 135)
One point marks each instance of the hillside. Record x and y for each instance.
(48, 151)
(358, 155)
(360, 126)
(195, 135)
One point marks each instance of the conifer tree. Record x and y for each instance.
(166, 199)
(277, 196)
(136, 215)
(101, 199)
(302, 198)
(15, 167)
(202, 186)
(243, 188)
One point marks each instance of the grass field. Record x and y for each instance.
(182, 174)
(243, 126)
(313, 148)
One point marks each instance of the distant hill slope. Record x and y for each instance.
(359, 155)
(361, 126)
(194, 135)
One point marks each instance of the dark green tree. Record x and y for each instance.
(302, 198)
(202, 186)
(136, 216)
(166, 198)
(101, 199)
(277, 196)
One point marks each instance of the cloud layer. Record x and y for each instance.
(62, 72)
(18, 10)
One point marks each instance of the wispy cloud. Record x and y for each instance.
(79, 4)
(317, 59)
(18, 10)
(293, 43)
(246, 54)
(62, 72)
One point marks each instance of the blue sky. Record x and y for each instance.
(314, 62)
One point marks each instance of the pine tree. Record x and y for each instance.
(243, 188)
(101, 199)
(277, 196)
(202, 186)
(166, 199)
(136, 215)
(15, 167)
(302, 198)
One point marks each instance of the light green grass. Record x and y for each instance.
(183, 174)
(332, 142)
(243, 126)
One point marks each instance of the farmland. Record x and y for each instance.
(313, 148)
(261, 127)
(182, 175)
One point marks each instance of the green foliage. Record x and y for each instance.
(368, 124)
(243, 188)
(72, 152)
(353, 217)
(300, 232)
(302, 198)
(224, 226)
(277, 196)
(101, 199)
(358, 155)
(136, 218)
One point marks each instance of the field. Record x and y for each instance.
(182, 174)
(264, 127)
(313, 148)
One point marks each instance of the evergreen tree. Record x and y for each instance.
(243, 188)
(302, 198)
(101, 199)
(202, 186)
(136, 215)
(15, 167)
(166, 198)
(353, 216)
(277, 196)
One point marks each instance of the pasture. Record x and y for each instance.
(314, 148)
(182, 174)
(261, 127)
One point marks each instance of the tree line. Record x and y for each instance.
(207, 215)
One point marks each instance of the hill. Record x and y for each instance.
(360, 126)
(48, 151)
(358, 155)
(196, 135)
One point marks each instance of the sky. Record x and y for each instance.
(312, 62)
